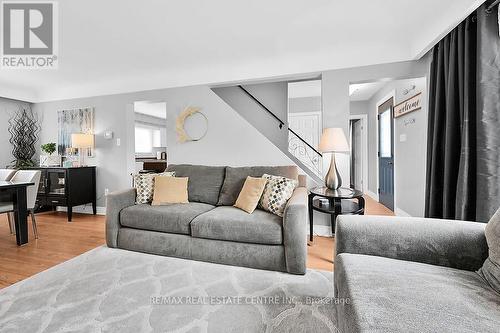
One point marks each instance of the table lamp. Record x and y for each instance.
(333, 141)
(83, 142)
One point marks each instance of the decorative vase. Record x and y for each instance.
(50, 160)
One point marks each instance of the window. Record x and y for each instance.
(146, 137)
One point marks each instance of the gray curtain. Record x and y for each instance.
(463, 162)
(488, 115)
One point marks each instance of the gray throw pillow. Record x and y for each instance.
(491, 267)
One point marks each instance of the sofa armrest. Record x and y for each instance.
(295, 232)
(115, 202)
(456, 244)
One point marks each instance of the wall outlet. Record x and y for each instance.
(106, 191)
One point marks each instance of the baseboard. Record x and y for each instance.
(86, 209)
(400, 212)
(372, 195)
(322, 230)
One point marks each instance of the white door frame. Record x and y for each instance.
(392, 95)
(364, 143)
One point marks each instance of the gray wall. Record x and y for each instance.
(271, 95)
(359, 107)
(238, 144)
(304, 104)
(7, 109)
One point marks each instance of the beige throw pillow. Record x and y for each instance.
(170, 190)
(250, 194)
(491, 267)
(144, 184)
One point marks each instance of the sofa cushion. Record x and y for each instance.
(204, 181)
(174, 218)
(235, 178)
(491, 267)
(389, 295)
(233, 224)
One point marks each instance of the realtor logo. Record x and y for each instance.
(29, 35)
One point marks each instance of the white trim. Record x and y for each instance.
(392, 95)
(364, 124)
(399, 212)
(372, 195)
(318, 113)
(321, 230)
(85, 209)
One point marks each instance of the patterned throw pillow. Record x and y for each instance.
(276, 194)
(144, 184)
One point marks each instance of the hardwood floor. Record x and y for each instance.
(320, 251)
(60, 241)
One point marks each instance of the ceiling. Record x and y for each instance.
(117, 46)
(364, 91)
(154, 109)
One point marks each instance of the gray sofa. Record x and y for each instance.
(208, 228)
(412, 275)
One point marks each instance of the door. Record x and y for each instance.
(308, 126)
(386, 153)
(356, 155)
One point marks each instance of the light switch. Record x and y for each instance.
(118, 142)
(402, 138)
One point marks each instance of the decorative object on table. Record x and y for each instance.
(334, 202)
(182, 135)
(48, 159)
(277, 192)
(333, 141)
(411, 104)
(82, 142)
(24, 129)
(74, 121)
(323, 202)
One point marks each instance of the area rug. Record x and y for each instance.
(112, 290)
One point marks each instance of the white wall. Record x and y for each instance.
(230, 139)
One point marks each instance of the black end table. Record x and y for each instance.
(340, 202)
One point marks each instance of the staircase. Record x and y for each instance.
(265, 106)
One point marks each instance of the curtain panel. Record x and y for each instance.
(463, 155)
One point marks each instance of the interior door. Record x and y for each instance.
(386, 153)
(308, 126)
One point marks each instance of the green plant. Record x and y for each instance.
(49, 148)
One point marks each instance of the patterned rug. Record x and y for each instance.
(111, 290)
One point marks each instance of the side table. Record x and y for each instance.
(340, 202)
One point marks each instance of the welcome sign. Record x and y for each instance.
(411, 104)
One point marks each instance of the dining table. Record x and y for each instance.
(15, 192)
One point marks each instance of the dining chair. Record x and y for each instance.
(6, 174)
(30, 176)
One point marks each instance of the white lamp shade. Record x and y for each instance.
(80, 140)
(333, 140)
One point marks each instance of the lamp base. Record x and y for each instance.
(333, 180)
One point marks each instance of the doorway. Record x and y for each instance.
(385, 123)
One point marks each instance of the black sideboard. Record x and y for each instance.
(67, 187)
